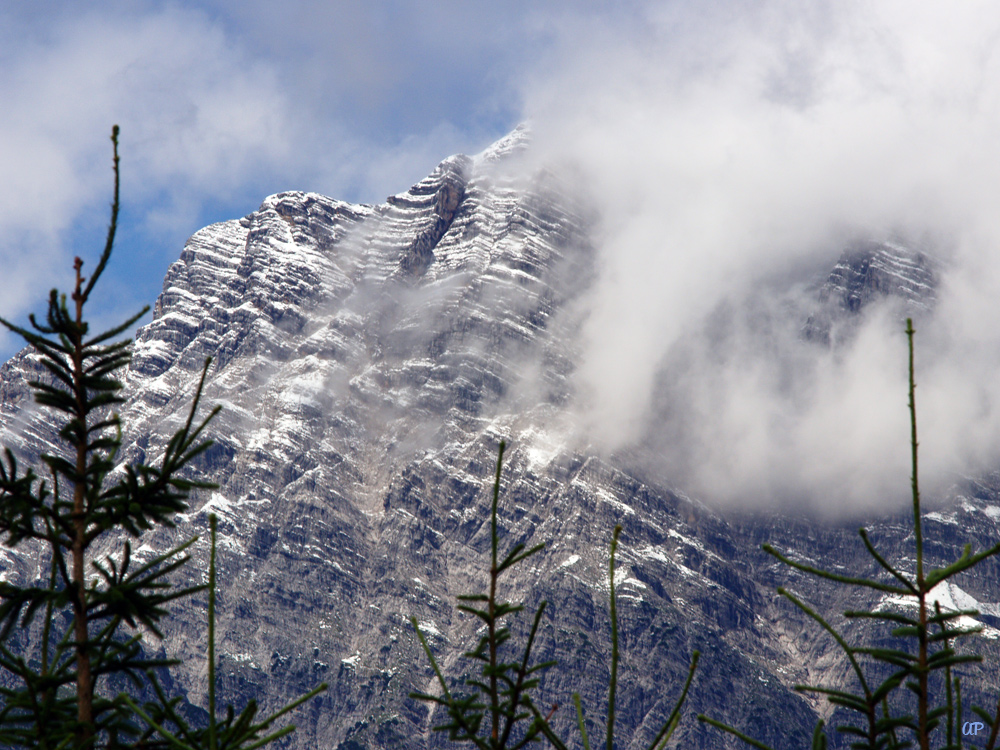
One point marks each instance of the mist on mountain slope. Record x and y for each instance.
(733, 152)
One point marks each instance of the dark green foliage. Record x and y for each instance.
(663, 736)
(501, 697)
(489, 715)
(235, 731)
(922, 658)
(95, 607)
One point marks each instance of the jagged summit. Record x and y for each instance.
(369, 359)
(870, 271)
(517, 141)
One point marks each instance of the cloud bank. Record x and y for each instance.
(733, 150)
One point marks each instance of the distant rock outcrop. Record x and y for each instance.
(870, 271)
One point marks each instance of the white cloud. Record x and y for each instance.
(727, 143)
(198, 119)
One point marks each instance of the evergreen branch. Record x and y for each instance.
(119, 329)
(543, 726)
(884, 563)
(887, 616)
(212, 523)
(848, 650)
(940, 660)
(735, 732)
(167, 706)
(949, 685)
(942, 617)
(44, 346)
(491, 623)
(918, 534)
(663, 736)
(522, 673)
(888, 725)
(834, 576)
(955, 633)
(513, 558)
(580, 721)
(839, 697)
(613, 687)
(433, 661)
(173, 740)
(891, 683)
(112, 227)
(272, 737)
(994, 723)
(963, 563)
(288, 708)
(892, 656)
(819, 737)
(57, 367)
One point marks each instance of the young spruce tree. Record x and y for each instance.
(923, 660)
(94, 608)
(499, 712)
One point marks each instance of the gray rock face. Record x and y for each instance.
(369, 359)
(870, 271)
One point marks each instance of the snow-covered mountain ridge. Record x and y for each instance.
(369, 359)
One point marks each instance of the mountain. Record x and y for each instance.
(369, 359)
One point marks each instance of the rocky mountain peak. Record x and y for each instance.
(870, 270)
(369, 359)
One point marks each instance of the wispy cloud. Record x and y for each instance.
(726, 144)
(199, 120)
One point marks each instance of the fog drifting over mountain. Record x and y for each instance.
(728, 148)
(732, 151)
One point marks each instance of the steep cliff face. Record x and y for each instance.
(369, 359)
(867, 272)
